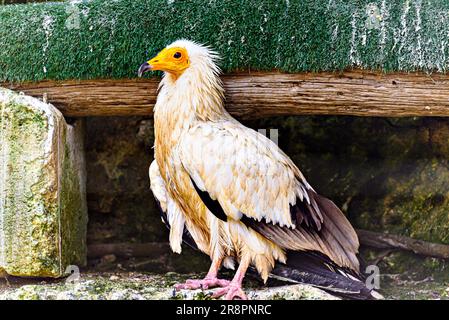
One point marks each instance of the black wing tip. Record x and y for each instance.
(316, 269)
(212, 205)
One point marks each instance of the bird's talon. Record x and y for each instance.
(204, 284)
(230, 292)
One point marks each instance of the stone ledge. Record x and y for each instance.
(138, 286)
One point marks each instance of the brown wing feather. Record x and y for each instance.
(336, 238)
(308, 213)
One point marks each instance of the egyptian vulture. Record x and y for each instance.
(233, 194)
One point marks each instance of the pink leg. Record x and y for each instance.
(234, 288)
(209, 281)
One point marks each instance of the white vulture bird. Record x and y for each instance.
(233, 194)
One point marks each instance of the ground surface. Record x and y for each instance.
(138, 286)
(402, 276)
(400, 287)
(142, 286)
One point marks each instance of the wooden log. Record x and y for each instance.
(395, 242)
(257, 95)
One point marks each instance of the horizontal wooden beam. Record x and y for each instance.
(257, 95)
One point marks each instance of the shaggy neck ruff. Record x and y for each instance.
(195, 95)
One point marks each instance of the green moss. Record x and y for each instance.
(139, 286)
(73, 210)
(2, 2)
(20, 127)
(110, 39)
(38, 192)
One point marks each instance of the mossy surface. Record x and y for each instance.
(110, 39)
(151, 286)
(405, 276)
(73, 203)
(37, 200)
(143, 286)
(23, 1)
(29, 228)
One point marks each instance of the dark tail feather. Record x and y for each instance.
(319, 271)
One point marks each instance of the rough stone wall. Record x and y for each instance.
(121, 207)
(386, 174)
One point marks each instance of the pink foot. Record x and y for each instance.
(206, 283)
(231, 291)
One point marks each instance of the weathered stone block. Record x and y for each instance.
(43, 211)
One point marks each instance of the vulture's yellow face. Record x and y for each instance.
(173, 60)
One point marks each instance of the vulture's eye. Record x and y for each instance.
(177, 55)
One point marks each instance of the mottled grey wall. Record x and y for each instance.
(386, 174)
(121, 206)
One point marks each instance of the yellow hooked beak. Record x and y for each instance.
(173, 60)
(143, 68)
(151, 65)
